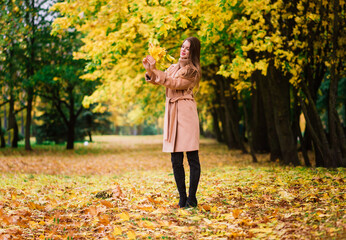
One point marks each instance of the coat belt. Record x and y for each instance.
(171, 106)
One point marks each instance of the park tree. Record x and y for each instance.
(263, 64)
(12, 33)
(37, 20)
(291, 43)
(59, 83)
(118, 45)
(24, 25)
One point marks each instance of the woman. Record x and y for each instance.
(181, 125)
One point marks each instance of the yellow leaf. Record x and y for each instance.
(124, 216)
(13, 196)
(107, 203)
(213, 209)
(148, 224)
(131, 235)
(117, 231)
(183, 212)
(236, 212)
(156, 52)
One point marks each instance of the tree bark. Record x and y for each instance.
(225, 118)
(231, 118)
(234, 119)
(259, 125)
(216, 126)
(28, 119)
(273, 140)
(296, 125)
(318, 135)
(279, 88)
(15, 138)
(342, 140)
(90, 136)
(71, 123)
(12, 123)
(224, 130)
(6, 126)
(333, 90)
(2, 137)
(70, 135)
(249, 131)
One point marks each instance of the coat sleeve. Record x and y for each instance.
(175, 83)
(150, 79)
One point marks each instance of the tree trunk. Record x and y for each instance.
(70, 135)
(30, 19)
(12, 123)
(6, 126)
(333, 89)
(2, 137)
(71, 122)
(216, 126)
(249, 131)
(225, 118)
(297, 130)
(342, 140)
(90, 137)
(28, 119)
(232, 107)
(320, 142)
(279, 88)
(273, 140)
(231, 118)
(201, 129)
(258, 126)
(22, 123)
(224, 130)
(15, 138)
(139, 129)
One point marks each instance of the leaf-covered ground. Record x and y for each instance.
(123, 188)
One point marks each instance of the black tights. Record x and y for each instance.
(179, 176)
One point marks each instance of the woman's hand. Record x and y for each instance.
(152, 62)
(146, 64)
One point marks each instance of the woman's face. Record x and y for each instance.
(185, 50)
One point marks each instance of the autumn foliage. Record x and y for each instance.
(123, 188)
(265, 64)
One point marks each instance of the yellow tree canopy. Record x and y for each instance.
(238, 37)
(116, 40)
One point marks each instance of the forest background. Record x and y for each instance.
(272, 96)
(273, 72)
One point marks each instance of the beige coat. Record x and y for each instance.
(181, 124)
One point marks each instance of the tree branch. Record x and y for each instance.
(19, 110)
(1, 104)
(79, 111)
(309, 126)
(58, 107)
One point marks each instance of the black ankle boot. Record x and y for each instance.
(182, 201)
(179, 176)
(191, 202)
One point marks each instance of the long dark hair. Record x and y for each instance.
(195, 51)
